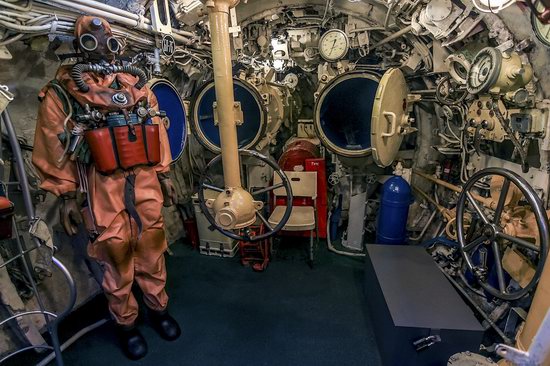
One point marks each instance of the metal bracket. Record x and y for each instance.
(5, 97)
(161, 22)
(413, 98)
(512, 320)
(235, 28)
(238, 114)
(5, 53)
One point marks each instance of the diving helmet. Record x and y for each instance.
(94, 38)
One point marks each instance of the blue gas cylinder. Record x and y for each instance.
(394, 210)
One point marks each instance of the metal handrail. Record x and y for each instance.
(51, 324)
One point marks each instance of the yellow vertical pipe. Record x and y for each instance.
(537, 312)
(218, 14)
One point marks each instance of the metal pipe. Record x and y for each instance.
(73, 339)
(72, 289)
(24, 349)
(7, 4)
(126, 20)
(388, 13)
(439, 208)
(29, 208)
(485, 201)
(423, 232)
(366, 29)
(489, 321)
(16, 257)
(24, 183)
(447, 185)
(24, 28)
(121, 17)
(19, 163)
(113, 10)
(218, 15)
(396, 35)
(25, 313)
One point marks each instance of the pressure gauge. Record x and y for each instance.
(542, 31)
(333, 45)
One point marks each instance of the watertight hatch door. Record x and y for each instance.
(169, 101)
(389, 117)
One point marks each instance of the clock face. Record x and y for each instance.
(542, 31)
(333, 45)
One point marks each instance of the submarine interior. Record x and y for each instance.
(268, 182)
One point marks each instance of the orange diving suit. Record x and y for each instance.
(123, 202)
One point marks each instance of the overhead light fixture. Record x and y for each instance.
(492, 6)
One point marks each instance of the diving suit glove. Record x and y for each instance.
(70, 216)
(168, 189)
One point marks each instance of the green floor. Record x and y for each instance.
(288, 315)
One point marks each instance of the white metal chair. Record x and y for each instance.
(302, 218)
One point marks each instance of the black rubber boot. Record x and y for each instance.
(132, 342)
(166, 326)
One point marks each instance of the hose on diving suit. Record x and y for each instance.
(79, 69)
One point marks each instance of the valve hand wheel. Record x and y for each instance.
(486, 233)
(450, 92)
(243, 234)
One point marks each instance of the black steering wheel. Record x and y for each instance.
(486, 230)
(244, 233)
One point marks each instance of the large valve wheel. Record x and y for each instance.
(486, 232)
(244, 233)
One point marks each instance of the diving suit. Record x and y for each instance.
(101, 147)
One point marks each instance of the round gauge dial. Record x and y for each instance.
(333, 45)
(542, 31)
